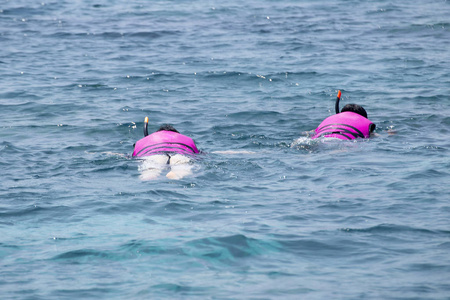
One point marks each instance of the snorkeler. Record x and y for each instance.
(349, 124)
(165, 149)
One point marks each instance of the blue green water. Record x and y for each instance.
(296, 219)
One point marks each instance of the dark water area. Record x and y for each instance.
(284, 216)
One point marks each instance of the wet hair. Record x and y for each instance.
(167, 127)
(356, 109)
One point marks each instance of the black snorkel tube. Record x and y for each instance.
(336, 107)
(146, 126)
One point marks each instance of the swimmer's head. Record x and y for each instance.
(167, 127)
(356, 109)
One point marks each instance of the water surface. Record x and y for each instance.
(295, 219)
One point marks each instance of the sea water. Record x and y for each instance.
(268, 213)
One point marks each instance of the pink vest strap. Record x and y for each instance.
(346, 126)
(163, 142)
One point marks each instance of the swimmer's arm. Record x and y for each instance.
(389, 131)
(308, 133)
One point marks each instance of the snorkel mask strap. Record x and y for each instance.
(146, 126)
(337, 101)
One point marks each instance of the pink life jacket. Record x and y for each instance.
(164, 142)
(346, 126)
